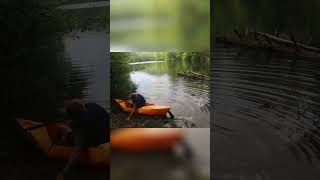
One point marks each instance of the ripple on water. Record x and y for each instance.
(269, 96)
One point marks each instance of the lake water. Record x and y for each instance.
(88, 55)
(266, 115)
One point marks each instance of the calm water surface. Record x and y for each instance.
(87, 54)
(266, 115)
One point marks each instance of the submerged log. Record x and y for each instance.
(288, 42)
(194, 75)
(201, 75)
(264, 40)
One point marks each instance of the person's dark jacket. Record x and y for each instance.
(138, 100)
(91, 127)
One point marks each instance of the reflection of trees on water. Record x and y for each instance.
(35, 61)
(96, 19)
(76, 81)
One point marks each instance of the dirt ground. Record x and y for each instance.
(119, 120)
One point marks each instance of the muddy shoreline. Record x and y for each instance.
(119, 120)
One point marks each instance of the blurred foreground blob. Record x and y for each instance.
(160, 153)
(146, 139)
(153, 25)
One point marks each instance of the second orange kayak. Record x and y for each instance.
(148, 109)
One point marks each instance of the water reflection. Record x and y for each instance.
(272, 116)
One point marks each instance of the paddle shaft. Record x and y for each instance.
(171, 115)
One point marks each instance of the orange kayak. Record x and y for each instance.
(145, 139)
(148, 109)
(40, 136)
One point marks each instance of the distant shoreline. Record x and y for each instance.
(85, 5)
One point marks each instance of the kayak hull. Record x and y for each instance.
(148, 109)
(145, 139)
(39, 135)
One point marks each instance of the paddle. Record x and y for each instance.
(121, 101)
(171, 115)
(35, 127)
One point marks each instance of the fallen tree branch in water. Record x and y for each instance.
(194, 75)
(288, 42)
(201, 75)
(264, 40)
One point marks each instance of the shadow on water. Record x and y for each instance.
(273, 108)
(159, 82)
